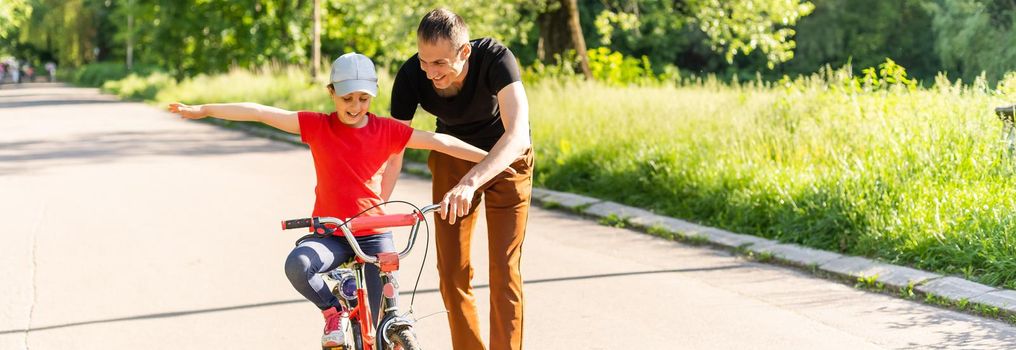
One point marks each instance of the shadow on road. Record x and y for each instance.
(21, 156)
(46, 94)
(53, 102)
(296, 301)
(986, 333)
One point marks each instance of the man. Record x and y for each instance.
(475, 90)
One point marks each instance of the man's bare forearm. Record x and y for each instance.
(509, 148)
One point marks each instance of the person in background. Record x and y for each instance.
(52, 69)
(16, 72)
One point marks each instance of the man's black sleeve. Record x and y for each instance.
(504, 71)
(404, 94)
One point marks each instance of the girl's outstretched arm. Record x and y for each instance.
(249, 112)
(446, 144)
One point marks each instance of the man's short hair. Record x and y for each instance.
(442, 23)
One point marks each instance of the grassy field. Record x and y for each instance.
(908, 175)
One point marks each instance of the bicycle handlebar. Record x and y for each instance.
(367, 223)
(298, 223)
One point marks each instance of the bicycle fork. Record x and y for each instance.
(357, 303)
(391, 320)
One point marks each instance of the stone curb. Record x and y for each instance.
(955, 291)
(573, 202)
(897, 277)
(795, 255)
(1003, 299)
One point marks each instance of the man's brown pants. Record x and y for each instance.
(506, 199)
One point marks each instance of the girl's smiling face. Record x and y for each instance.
(352, 107)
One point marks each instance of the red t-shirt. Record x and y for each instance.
(349, 162)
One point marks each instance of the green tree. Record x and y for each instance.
(189, 37)
(13, 13)
(670, 31)
(865, 33)
(743, 26)
(65, 31)
(974, 36)
(385, 30)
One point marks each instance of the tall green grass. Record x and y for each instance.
(871, 167)
(908, 176)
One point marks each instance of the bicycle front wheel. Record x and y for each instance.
(404, 337)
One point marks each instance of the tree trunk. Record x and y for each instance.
(559, 31)
(130, 35)
(576, 35)
(315, 61)
(555, 37)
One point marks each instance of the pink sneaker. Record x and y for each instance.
(335, 331)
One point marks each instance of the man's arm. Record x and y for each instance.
(515, 116)
(248, 112)
(392, 170)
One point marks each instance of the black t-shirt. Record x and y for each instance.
(472, 115)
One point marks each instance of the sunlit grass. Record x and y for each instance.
(912, 177)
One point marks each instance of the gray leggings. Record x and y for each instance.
(317, 255)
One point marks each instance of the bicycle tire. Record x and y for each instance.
(354, 328)
(405, 337)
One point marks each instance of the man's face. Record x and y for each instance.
(443, 62)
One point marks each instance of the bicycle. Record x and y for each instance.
(392, 330)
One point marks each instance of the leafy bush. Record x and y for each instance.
(135, 87)
(606, 66)
(1007, 87)
(563, 68)
(616, 69)
(96, 74)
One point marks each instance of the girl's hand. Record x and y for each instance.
(189, 112)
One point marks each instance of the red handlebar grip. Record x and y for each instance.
(373, 222)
